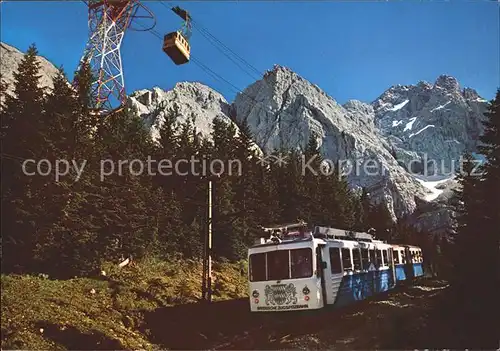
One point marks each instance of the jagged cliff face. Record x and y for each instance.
(406, 123)
(190, 99)
(430, 124)
(283, 110)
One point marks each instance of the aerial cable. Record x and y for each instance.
(218, 77)
(255, 74)
(252, 75)
(206, 33)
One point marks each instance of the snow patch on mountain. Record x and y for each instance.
(440, 107)
(421, 130)
(400, 106)
(409, 125)
(432, 184)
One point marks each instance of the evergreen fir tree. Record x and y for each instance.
(21, 139)
(311, 208)
(3, 93)
(487, 207)
(246, 185)
(490, 148)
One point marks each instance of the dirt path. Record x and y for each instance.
(397, 320)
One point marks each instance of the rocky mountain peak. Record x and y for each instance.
(191, 99)
(431, 123)
(471, 94)
(406, 123)
(424, 85)
(447, 82)
(356, 105)
(284, 109)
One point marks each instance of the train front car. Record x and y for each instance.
(283, 274)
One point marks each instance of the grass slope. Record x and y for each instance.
(106, 313)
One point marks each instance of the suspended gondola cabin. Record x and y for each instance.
(176, 44)
(176, 47)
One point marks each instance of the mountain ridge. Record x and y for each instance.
(283, 109)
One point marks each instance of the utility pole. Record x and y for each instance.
(206, 289)
(209, 247)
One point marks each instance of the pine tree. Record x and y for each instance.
(3, 93)
(246, 185)
(289, 183)
(61, 118)
(490, 148)
(310, 207)
(380, 219)
(22, 139)
(269, 210)
(58, 128)
(227, 243)
(488, 237)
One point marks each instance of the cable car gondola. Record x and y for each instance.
(176, 47)
(176, 44)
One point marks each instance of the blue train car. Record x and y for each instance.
(415, 258)
(400, 262)
(301, 270)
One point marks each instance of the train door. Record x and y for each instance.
(335, 273)
(321, 266)
(392, 265)
(408, 264)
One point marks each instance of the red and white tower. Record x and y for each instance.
(108, 22)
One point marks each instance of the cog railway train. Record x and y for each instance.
(298, 269)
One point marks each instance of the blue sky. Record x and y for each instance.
(352, 50)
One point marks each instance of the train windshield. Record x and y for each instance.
(281, 264)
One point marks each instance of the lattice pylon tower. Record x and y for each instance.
(108, 22)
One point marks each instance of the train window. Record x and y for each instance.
(386, 258)
(396, 256)
(372, 256)
(346, 259)
(301, 261)
(257, 267)
(335, 263)
(365, 258)
(356, 259)
(379, 258)
(278, 265)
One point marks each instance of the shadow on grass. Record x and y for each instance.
(462, 323)
(73, 339)
(231, 325)
(197, 325)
